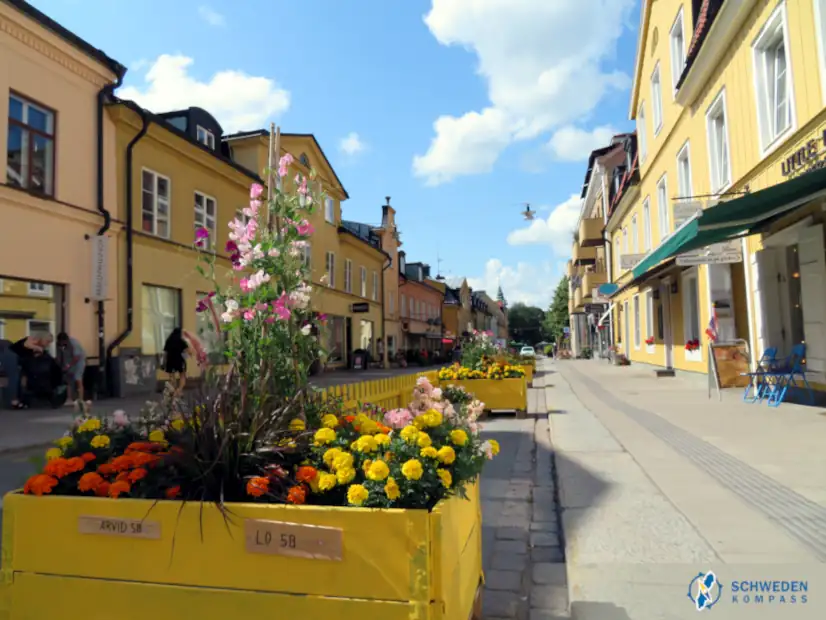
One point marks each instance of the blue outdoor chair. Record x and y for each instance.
(759, 379)
(786, 375)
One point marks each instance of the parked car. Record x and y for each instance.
(527, 352)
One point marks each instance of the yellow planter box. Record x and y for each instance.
(508, 394)
(528, 368)
(130, 560)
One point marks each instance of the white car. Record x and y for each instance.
(527, 352)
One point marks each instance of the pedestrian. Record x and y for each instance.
(72, 360)
(174, 362)
(27, 350)
(10, 365)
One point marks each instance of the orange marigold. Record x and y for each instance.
(57, 468)
(297, 495)
(103, 489)
(123, 462)
(40, 484)
(141, 459)
(89, 482)
(137, 474)
(119, 487)
(122, 476)
(88, 457)
(75, 464)
(306, 473)
(258, 486)
(106, 469)
(172, 492)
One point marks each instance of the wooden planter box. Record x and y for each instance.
(126, 560)
(501, 394)
(529, 369)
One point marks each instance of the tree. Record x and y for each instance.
(558, 316)
(525, 323)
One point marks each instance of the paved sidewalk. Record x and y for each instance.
(657, 483)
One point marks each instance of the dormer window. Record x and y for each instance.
(305, 161)
(206, 137)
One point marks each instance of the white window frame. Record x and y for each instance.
(663, 215)
(646, 223)
(205, 136)
(678, 48)
(688, 276)
(649, 314)
(635, 235)
(202, 217)
(156, 200)
(642, 138)
(657, 100)
(39, 289)
(376, 286)
(329, 210)
(773, 32)
(637, 323)
(625, 241)
(348, 275)
(330, 266)
(820, 35)
(685, 187)
(363, 278)
(718, 108)
(29, 132)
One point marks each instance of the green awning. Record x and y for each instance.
(736, 218)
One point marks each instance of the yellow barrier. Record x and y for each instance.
(528, 368)
(390, 393)
(497, 394)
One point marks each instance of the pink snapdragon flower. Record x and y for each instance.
(305, 229)
(398, 418)
(249, 314)
(256, 189)
(284, 164)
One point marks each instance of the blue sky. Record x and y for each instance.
(460, 110)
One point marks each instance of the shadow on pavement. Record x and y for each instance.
(598, 611)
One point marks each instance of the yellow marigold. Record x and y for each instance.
(64, 442)
(368, 426)
(325, 436)
(366, 443)
(429, 453)
(100, 441)
(412, 469)
(357, 495)
(494, 446)
(382, 439)
(53, 453)
(329, 421)
(297, 424)
(343, 460)
(446, 477)
(391, 489)
(177, 425)
(410, 433)
(366, 465)
(420, 422)
(157, 436)
(326, 482)
(330, 456)
(433, 418)
(92, 424)
(378, 471)
(446, 455)
(423, 440)
(458, 437)
(345, 475)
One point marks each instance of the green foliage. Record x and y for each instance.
(557, 316)
(525, 323)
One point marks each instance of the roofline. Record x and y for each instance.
(346, 231)
(425, 284)
(161, 122)
(70, 37)
(264, 133)
(645, 16)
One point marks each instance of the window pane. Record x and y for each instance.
(163, 187)
(159, 316)
(42, 163)
(15, 108)
(199, 201)
(163, 207)
(16, 159)
(163, 228)
(39, 119)
(210, 207)
(148, 181)
(147, 222)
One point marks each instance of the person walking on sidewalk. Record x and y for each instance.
(174, 363)
(72, 358)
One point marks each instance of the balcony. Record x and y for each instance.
(593, 279)
(569, 271)
(590, 232)
(583, 255)
(578, 306)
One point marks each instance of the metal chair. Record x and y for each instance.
(754, 391)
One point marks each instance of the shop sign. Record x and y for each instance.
(100, 267)
(360, 307)
(806, 158)
(718, 254)
(629, 261)
(684, 210)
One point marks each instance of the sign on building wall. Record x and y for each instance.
(629, 261)
(100, 267)
(597, 298)
(684, 210)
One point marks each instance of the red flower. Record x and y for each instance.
(258, 486)
(172, 492)
(297, 495)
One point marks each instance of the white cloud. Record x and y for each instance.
(571, 143)
(542, 62)
(556, 230)
(529, 283)
(239, 101)
(211, 16)
(351, 144)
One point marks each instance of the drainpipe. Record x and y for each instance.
(384, 362)
(130, 296)
(103, 94)
(609, 264)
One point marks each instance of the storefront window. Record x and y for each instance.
(366, 336)
(160, 314)
(795, 296)
(28, 307)
(335, 339)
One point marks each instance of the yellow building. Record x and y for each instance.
(346, 257)
(58, 198)
(729, 103)
(456, 310)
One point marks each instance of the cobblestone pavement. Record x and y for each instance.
(522, 546)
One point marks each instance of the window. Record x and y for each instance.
(772, 83)
(239, 215)
(625, 241)
(155, 204)
(649, 313)
(391, 303)
(691, 306)
(403, 305)
(635, 243)
(205, 136)
(412, 308)
(2, 330)
(376, 287)
(637, 334)
(642, 143)
(30, 146)
(329, 210)
(363, 274)
(348, 276)
(213, 339)
(40, 289)
(307, 253)
(656, 100)
(646, 224)
(677, 49)
(205, 214)
(684, 190)
(662, 207)
(160, 314)
(331, 270)
(718, 151)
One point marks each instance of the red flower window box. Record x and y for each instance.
(649, 341)
(692, 345)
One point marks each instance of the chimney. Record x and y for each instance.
(387, 213)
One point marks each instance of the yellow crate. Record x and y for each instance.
(395, 564)
(504, 394)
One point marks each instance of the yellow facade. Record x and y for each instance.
(725, 81)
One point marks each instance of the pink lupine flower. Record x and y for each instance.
(305, 229)
(284, 164)
(256, 189)
(245, 285)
